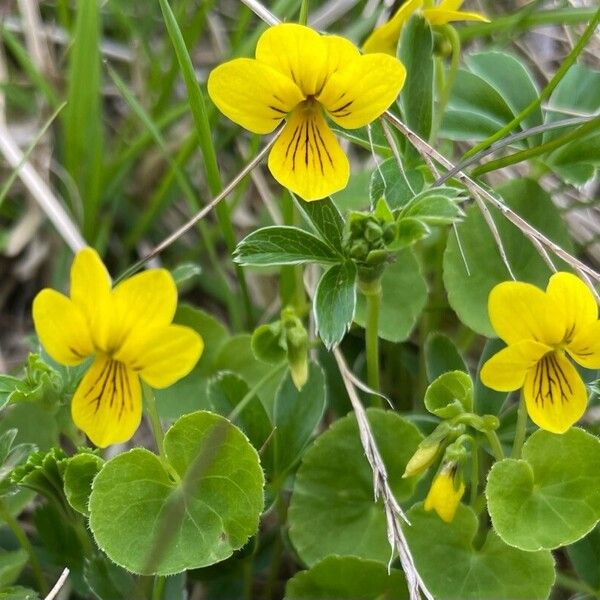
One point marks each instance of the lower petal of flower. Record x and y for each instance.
(555, 395)
(306, 158)
(444, 497)
(107, 405)
(506, 370)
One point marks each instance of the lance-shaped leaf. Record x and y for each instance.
(324, 216)
(334, 303)
(281, 245)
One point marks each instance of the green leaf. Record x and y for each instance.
(11, 565)
(409, 232)
(488, 401)
(107, 581)
(18, 593)
(226, 391)
(450, 395)
(551, 497)
(452, 567)
(324, 216)
(441, 356)
(335, 302)
(404, 297)
(77, 479)
(512, 80)
(296, 415)
(185, 274)
(332, 510)
(468, 285)
(190, 393)
(416, 53)
(280, 245)
(434, 206)
(347, 578)
(25, 418)
(585, 557)
(395, 186)
(192, 510)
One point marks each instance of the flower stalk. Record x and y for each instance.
(372, 292)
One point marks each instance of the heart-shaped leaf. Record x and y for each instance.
(452, 568)
(332, 510)
(347, 578)
(190, 510)
(552, 496)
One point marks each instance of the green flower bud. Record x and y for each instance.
(373, 232)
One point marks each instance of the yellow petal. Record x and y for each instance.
(385, 37)
(443, 496)
(340, 52)
(585, 346)
(90, 290)
(252, 94)
(307, 158)
(574, 303)
(61, 327)
(521, 311)
(145, 301)
(438, 16)
(555, 395)
(162, 356)
(361, 91)
(107, 405)
(296, 51)
(506, 370)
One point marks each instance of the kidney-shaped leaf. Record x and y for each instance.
(552, 496)
(191, 510)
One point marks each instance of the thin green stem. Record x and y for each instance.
(155, 424)
(454, 40)
(158, 587)
(474, 472)
(546, 92)
(495, 445)
(303, 17)
(24, 542)
(575, 585)
(521, 429)
(517, 22)
(372, 293)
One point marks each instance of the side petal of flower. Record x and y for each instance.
(145, 301)
(521, 311)
(574, 303)
(107, 405)
(506, 370)
(585, 346)
(296, 51)
(555, 395)
(252, 94)
(363, 89)
(443, 497)
(438, 16)
(62, 327)
(162, 356)
(385, 37)
(307, 159)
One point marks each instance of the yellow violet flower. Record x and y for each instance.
(129, 333)
(301, 76)
(445, 493)
(539, 328)
(385, 37)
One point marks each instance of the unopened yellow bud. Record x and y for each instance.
(445, 493)
(421, 459)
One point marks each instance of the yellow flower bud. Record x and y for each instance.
(421, 459)
(445, 493)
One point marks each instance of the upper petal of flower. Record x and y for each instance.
(90, 291)
(162, 356)
(385, 37)
(443, 496)
(574, 303)
(506, 370)
(306, 158)
(362, 90)
(145, 301)
(340, 52)
(555, 395)
(253, 94)
(297, 52)
(107, 404)
(62, 327)
(585, 346)
(521, 311)
(438, 16)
